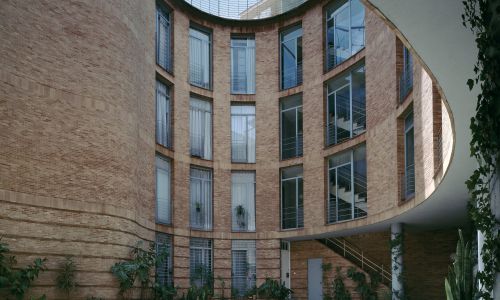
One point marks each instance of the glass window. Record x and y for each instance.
(409, 182)
(291, 126)
(243, 201)
(200, 262)
(163, 39)
(406, 80)
(243, 266)
(200, 119)
(201, 198)
(243, 133)
(291, 57)
(164, 271)
(347, 194)
(346, 106)
(200, 63)
(292, 204)
(345, 31)
(163, 203)
(242, 65)
(163, 131)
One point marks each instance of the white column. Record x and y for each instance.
(397, 260)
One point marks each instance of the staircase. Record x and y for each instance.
(356, 256)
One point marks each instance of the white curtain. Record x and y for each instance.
(200, 120)
(243, 66)
(250, 66)
(243, 133)
(163, 39)
(201, 199)
(163, 190)
(243, 194)
(162, 115)
(199, 58)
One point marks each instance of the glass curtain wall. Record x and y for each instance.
(346, 106)
(345, 31)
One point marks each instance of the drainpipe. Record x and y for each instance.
(397, 261)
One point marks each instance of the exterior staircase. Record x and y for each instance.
(357, 257)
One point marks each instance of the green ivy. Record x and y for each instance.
(483, 18)
(65, 280)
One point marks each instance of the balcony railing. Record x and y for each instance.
(408, 182)
(292, 77)
(292, 146)
(292, 217)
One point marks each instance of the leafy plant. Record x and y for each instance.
(65, 280)
(139, 268)
(222, 288)
(459, 284)
(197, 293)
(272, 289)
(367, 290)
(18, 281)
(483, 18)
(202, 275)
(163, 292)
(340, 291)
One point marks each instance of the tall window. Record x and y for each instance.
(243, 133)
(292, 201)
(291, 57)
(346, 106)
(163, 39)
(243, 65)
(243, 267)
(200, 58)
(200, 262)
(200, 119)
(406, 79)
(243, 201)
(201, 198)
(345, 31)
(409, 175)
(163, 131)
(291, 126)
(163, 203)
(164, 271)
(347, 185)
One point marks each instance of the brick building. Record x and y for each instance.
(252, 148)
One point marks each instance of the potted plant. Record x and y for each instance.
(240, 215)
(197, 206)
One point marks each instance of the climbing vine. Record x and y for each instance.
(483, 18)
(396, 246)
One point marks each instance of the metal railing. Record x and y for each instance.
(357, 256)
(292, 217)
(245, 9)
(408, 182)
(337, 134)
(438, 150)
(291, 77)
(292, 146)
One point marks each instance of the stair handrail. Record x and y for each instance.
(356, 253)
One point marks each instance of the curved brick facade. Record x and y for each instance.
(77, 134)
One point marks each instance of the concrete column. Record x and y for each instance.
(397, 260)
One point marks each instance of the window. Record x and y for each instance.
(163, 203)
(200, 262)
(409, 174)
(201, 198)
(291, 126)
(200, 57)
(200, 119)
(292, 204)
(406, 77)
(243, 133)
(163, 131)
(345, 31)
(243, 201)
(243, 267)
(291, 57)
(347, 185)
(164, 271)
(346, 106)
(163, 39)
(242, 65)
